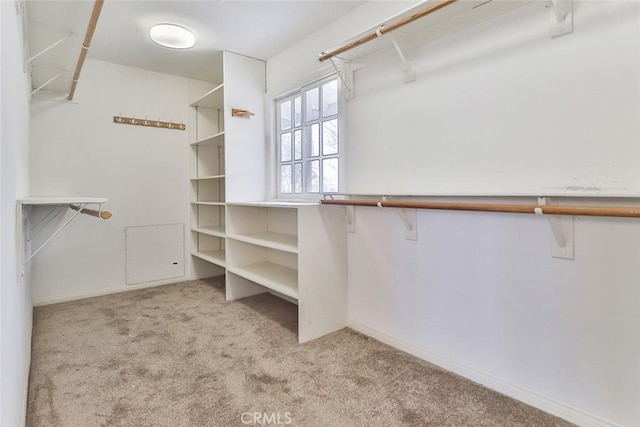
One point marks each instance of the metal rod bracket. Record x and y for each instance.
(561, 17)
(408, 69)
(346, 78)
(54, 234)
(562, 230)
(350, 217)
(409, 218)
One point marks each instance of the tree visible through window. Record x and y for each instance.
(308, 142)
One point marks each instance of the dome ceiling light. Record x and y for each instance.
(172, 36)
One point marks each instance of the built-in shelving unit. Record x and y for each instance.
(208, 178)
(263, 246)
(293, 250)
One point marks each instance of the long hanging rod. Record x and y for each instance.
(612, 211)
(387, 28)
(92, 212)
(86, 44)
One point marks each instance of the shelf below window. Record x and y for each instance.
(208, 203)
(214, 257)
(197, 178)
(216, 140)
(273, 276)
(268, 239)
(211, 231)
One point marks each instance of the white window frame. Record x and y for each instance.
(306, 143)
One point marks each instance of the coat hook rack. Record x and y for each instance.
(245, 114)
(148, 123)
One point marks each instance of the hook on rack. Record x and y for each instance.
(149, 123)
(245, 114)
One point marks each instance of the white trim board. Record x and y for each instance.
(529, 397)
(108, 291)
(27, 371)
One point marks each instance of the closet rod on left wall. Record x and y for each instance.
(86, 44)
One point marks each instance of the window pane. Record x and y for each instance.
(313, 176)
(285, 115)
(313, 104)
(297, 178)
(330, 175)
(285, 147)
(313, 139)
(297, 111)
(285, 179)
(297, 145)
(330, 98)
(330, 137)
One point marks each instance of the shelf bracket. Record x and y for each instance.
(45, 50)
(561, 18)
(346, 78)
(562, 229)
(409, 71)
(53, 213)
(350, 217)
(54, 234)
(409, 218)
(46, 83)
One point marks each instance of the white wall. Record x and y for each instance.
(501, 108)
(76, 149)
(15, 297)
(479, 293)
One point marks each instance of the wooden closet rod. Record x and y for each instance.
(613, 211)
(92, 212)
(387, 28)
(86, 44)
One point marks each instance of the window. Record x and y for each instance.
(308, 140)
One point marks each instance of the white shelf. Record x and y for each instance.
(277, 203)
(61, 200)
(208, 203)
(268, 239)
(216, 140)
(212, 99)
(196, 178)
(273, 276)
(211, 231)
(214, 257)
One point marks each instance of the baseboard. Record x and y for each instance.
(529, 397)
(100, 292)
(27, 371)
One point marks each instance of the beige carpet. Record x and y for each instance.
(179, 355)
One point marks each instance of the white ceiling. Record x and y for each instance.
(257, 28)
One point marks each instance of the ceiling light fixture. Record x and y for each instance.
(172, 36)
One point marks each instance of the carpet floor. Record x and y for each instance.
(180, 355)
